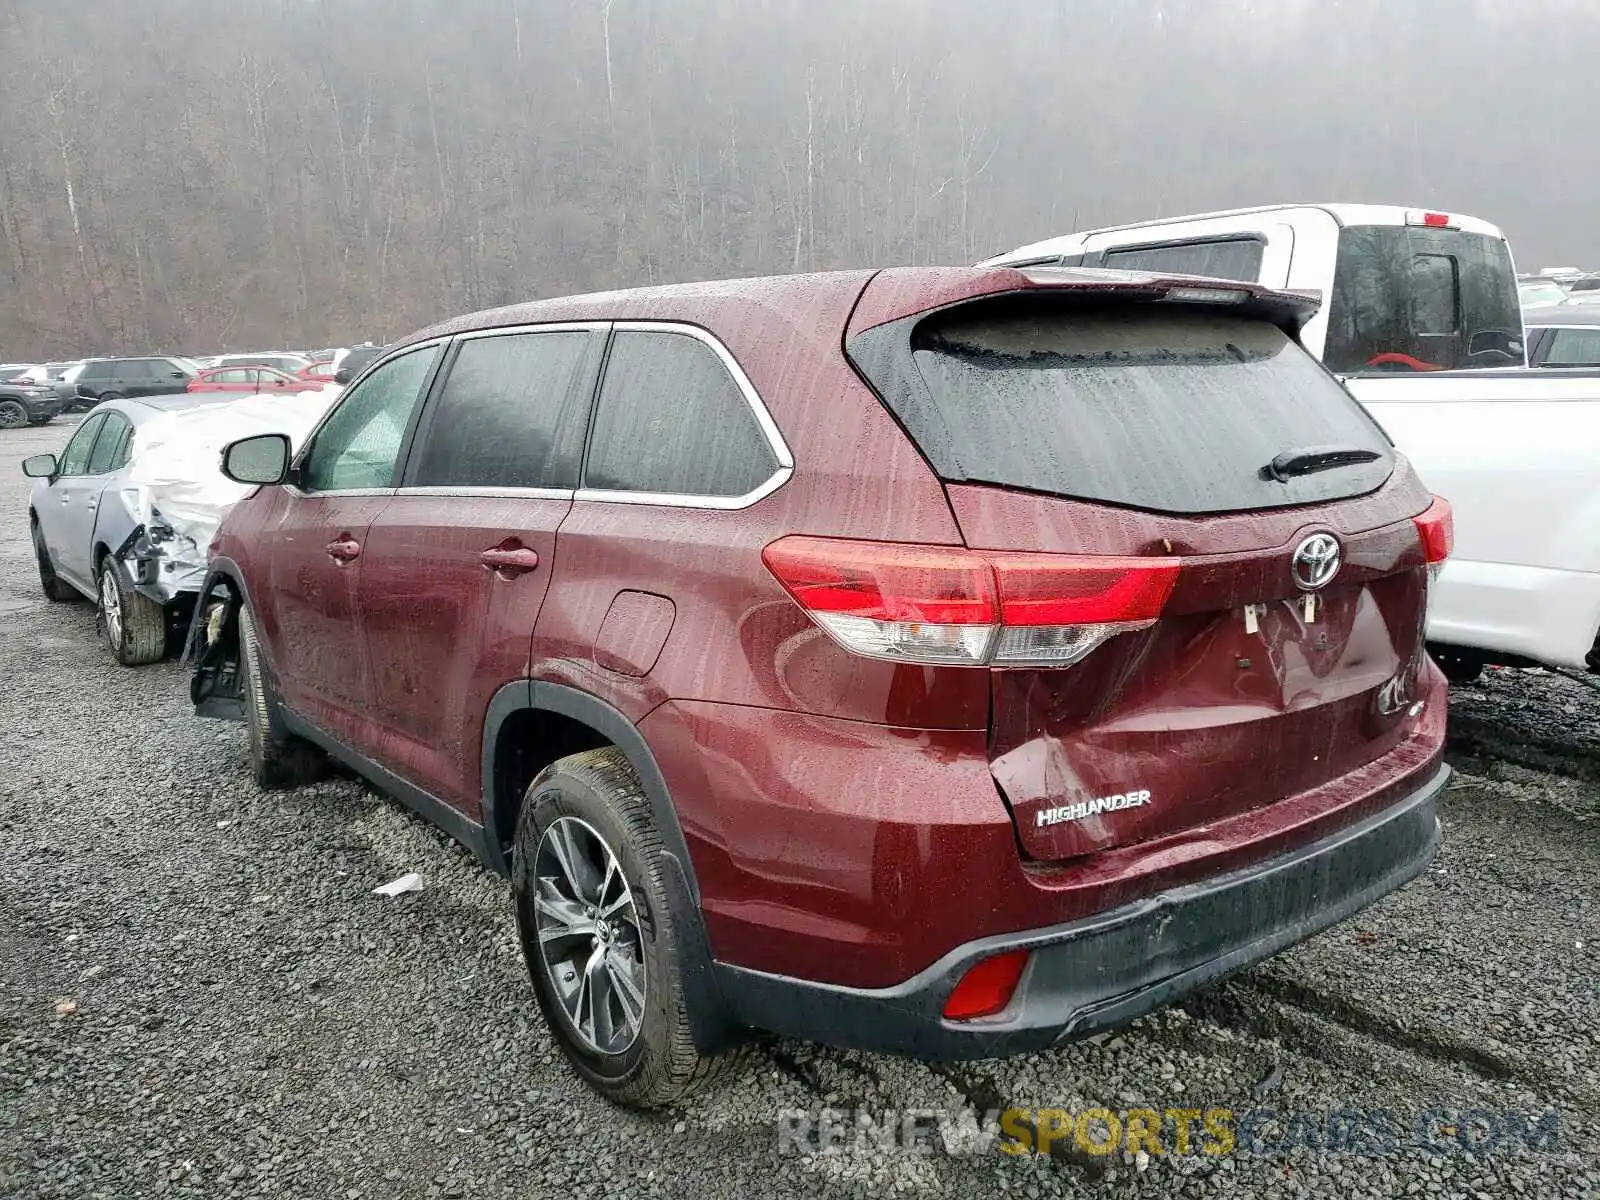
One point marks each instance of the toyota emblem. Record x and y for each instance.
(1316, 561)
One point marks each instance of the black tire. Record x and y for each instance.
(55, 588)
(12, 414)
(43, 420)
(278, 759)
(135, 627)
(660, 1065)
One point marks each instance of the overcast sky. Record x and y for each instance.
(197, 174)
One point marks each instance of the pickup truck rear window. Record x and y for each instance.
(1169, 409)
(1410, 298)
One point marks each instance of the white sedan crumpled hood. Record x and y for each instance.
(176, 466)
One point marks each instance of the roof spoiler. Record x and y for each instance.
(1287, 309)
(897, 293)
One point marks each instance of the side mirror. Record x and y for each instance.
(343, 376)
(180, 374)
(40, 466)
(263, 459)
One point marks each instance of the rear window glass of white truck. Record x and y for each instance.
(1412, 298)
(1166, 409)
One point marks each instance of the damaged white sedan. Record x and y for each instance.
(125, 514)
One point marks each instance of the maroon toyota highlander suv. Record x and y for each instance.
(942, 661)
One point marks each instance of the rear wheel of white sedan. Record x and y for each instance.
(135, 626)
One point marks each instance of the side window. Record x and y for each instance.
(1573, 348)
(359, 442)
(1227, 258)
(511, 413)
(106, 447)
(75, 458)
(672, 420)
(124, 450)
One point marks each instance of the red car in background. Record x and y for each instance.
(245, 380)
(319, 373)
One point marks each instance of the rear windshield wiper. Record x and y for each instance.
(1311, 459)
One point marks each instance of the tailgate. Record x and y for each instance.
(1249, 688)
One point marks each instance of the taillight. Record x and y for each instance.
(953, 606)
(1432, 220)
(1436, 529)
(987, 986)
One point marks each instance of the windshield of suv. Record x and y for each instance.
(1155, 408)
(1412, 298)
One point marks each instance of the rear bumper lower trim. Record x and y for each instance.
(1104, 971)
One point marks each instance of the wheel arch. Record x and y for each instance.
(214, 666)
(570, 721)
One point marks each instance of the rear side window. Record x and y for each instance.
(108, 446)
(1159, 409)
(511, 413)
(1573, 348)
(1230, 258)
(672, 420)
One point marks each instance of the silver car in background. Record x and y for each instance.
(89, 538)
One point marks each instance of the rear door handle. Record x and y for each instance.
(508, 561)
(345, 550)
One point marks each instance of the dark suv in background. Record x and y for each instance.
(943, 661)
(24, 402)
(119, 378)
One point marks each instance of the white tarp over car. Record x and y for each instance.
(175, 473)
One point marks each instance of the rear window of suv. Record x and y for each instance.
(1159, 409)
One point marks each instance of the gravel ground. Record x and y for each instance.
(200, 995)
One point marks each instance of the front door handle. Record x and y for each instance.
(508, 561)
(345, 550)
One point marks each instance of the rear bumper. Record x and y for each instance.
(1105, 970)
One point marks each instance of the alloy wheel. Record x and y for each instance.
(12, 415)
(111, 606)
(589, 938)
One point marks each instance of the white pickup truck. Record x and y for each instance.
(1421, 319)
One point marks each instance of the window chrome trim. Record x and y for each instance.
(768, 427)
(398, 352)
(596, 326)
(485, 492)
(347, 493)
